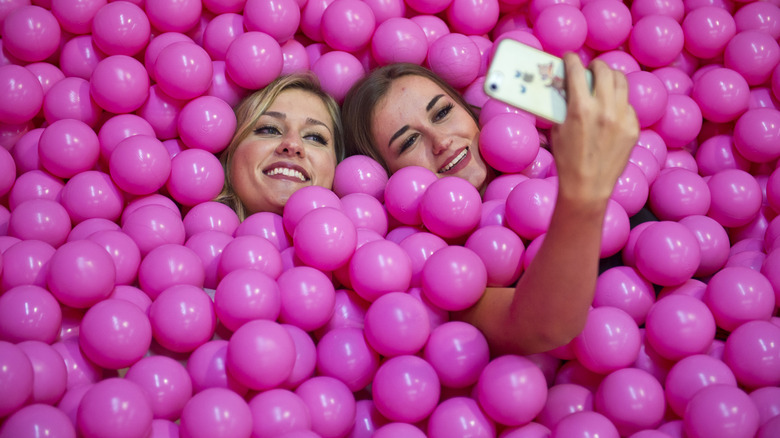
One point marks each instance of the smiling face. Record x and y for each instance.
(418, 124)
(292, 146)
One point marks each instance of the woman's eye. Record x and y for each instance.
(317, 138)
(442, 113)
(267, 130)
(408, 142)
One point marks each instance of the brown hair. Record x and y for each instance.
(255, 105)
(359, 104)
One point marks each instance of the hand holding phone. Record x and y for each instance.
(529, 79)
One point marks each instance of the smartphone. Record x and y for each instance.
(529, 79)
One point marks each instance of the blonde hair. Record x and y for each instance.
(255, 105)
(362, 99)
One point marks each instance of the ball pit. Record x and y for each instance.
(131, 305)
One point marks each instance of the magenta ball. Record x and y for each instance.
(40, 219)
(253, 60)
(722, 94)
(116, 407)
(348, 25)
(585, 424)
(404, 191)
(456, 58)
(679, 193)
(29, 312)
(366, 212)
(755, 134)
(31, 33)
(609, 341)
(399, 39)
(344, 353)
(752, 353)
(713, 242)
(656, 40)
(561, 28)
(70, 99)
(68, 147)
(278, 411)
(121, 29)
(182, 318)
(451, 207)
(50, 375)
(307, 297)
(509, 143)
(331, 406)
(325, 238)
(753, 54)
(267, 225)
(632, 399)
(380, 267)
(81, 273)
(338, 71)
(217, 413)
(165, 382)
(35, 184)
(667, 264)
(22, 93)
(115, 334)
(512, 390)
(460, 417)
(38, 419)
(625, 288)
(207, 123)
(472, 17)
(501, 250)
(766, 399)
(16, 377)
(529, 207)
(161, 111)
(360, 174)
(207, 368)
(759, 16)
(119, 84)
(736, 197)
(719, 153)
(691, 374)
(153, 225)
(419, 247)
(609, 24)
(681, 122)
(454, 278)
(210, 216)
(260, 354)
(736, 295)
(183, 70)
(708, 29)
(631, 190)
(721, 410)
(169, 265)
(563, 399)
(26, 262)
(196, 176)
(252, 252)
(92, 194)
(680, 325)
(406, 389)
(397, 324)
(305, 200)
(220, 32)
(458, 352)
(648, 96)
(277, 19)
(244, 295)
(140, 165)
(79, 56)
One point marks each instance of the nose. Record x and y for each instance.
(440, 142)
(291, 144)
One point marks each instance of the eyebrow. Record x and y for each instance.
(405, 128)
(283, 116)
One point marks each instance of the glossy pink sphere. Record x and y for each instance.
(331, 405)
(115, 334)
(166, 383)
(755, 133)
(632, 399)
(121, 29)
(722, 94)
(182, 318)
(80, 274)
(625, 288)
(397, 323)
(456, 58)
(663, 263)
(244, 295)
(609, 341)
(216, 412)
(752, 353)
(278, 411)
(722, 410)
(169, 265)
(344, 353)
(406, 389)
(656, 40)
(609, 24)
(679, 326)
(691, 374)
(753, 54)
(512, 390)
(399, 39)
(31, 33)
(260, 354)
(454, 278)
(529, 207)
(68, 147)
(115, 407)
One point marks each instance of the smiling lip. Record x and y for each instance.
(455, 161)
(288, 171)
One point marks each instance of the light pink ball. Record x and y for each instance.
(348, 25)
(656, 40)
(399, 39)
(608, 24)
(279, 19)
(472, 17)
(182, 318)
(31, 33)
(736, 197)
(561, 28)
(253, 60)
(679, 326)
(667, 264)
(115, 407)
(115, 334)
(609, 341)
(68, 147)
(456, 58)
(121, 28)
(512, 390)
(338, 71)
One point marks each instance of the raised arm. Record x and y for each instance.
(550, 303)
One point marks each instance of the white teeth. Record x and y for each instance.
(455, 161)
(286, 172)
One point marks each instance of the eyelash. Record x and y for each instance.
(442, 113)
(272, 130)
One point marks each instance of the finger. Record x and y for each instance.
(603, 81)
(621, 87)
(576, 84)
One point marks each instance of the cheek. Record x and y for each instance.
(324, 164)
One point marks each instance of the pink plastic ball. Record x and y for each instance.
(679, 326)
(458, 352)
(207, 123)
(397, 324)
(681, 122)
(713, 242)
(210, 216)
(399, 39)
(338, 71)
(331, 405)
(76, 16)
(736, 197)
(26, 262)
(450, 207)
(29, 312)
(252, 252)
(174, 16)
(690, 375)
(406, 389)
(722, 94)
(753, 54)
(253, 60)
(260, 354)
(161, 111)
(512, 390)
(720, 410)
(509, 143)
(379, 267)
(344, 353)
(311, 18)
(183, 70)
(116, 407)
(277, 19)
(656, 40)
(609, 341)
(325, 238)
(115, 334)
(707, 30)
(305, 357)
(615, 229)
(472, 17)
(169, 265)
(244, 295)
(68, 147)
(419, 247)
(165, 382)
(36, 420)
(756, 133)
(25, 151)
(736, 295)
(118, 128)
(92, 194)
(119, 84)
(80, 274)
(623, 287)
(404, 192)
(182, 318)
(608, 24)
(752, 351)
(16, 377)
(50, 375)
(461, 417)
(456, 58)
(31, 33)
(267, 225)
(501, 250)
(563, 399)
(196, 176)
(678, 193)
(759, 16)
(585, 424)
(22, 94)
(217, 413)
(278, 411)
(140, 165)
(529, 207)
(647, 95)
(766, 399)
(79, 56)
(307, 297)
(70, 99)
(360, 174)
(632, 399)
(561, 28)
(207, 368)
(366, 212)
(719, 153)
(121, 28)
(673, 8)
(454, 278)
(348, 25)
(631, 189)
(305, 200)
(40, 219)
(663, 263)
(220, 32)
(153, 225)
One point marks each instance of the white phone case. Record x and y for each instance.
(529, 79)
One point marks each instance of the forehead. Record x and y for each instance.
(412, 88)
(296, 103)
